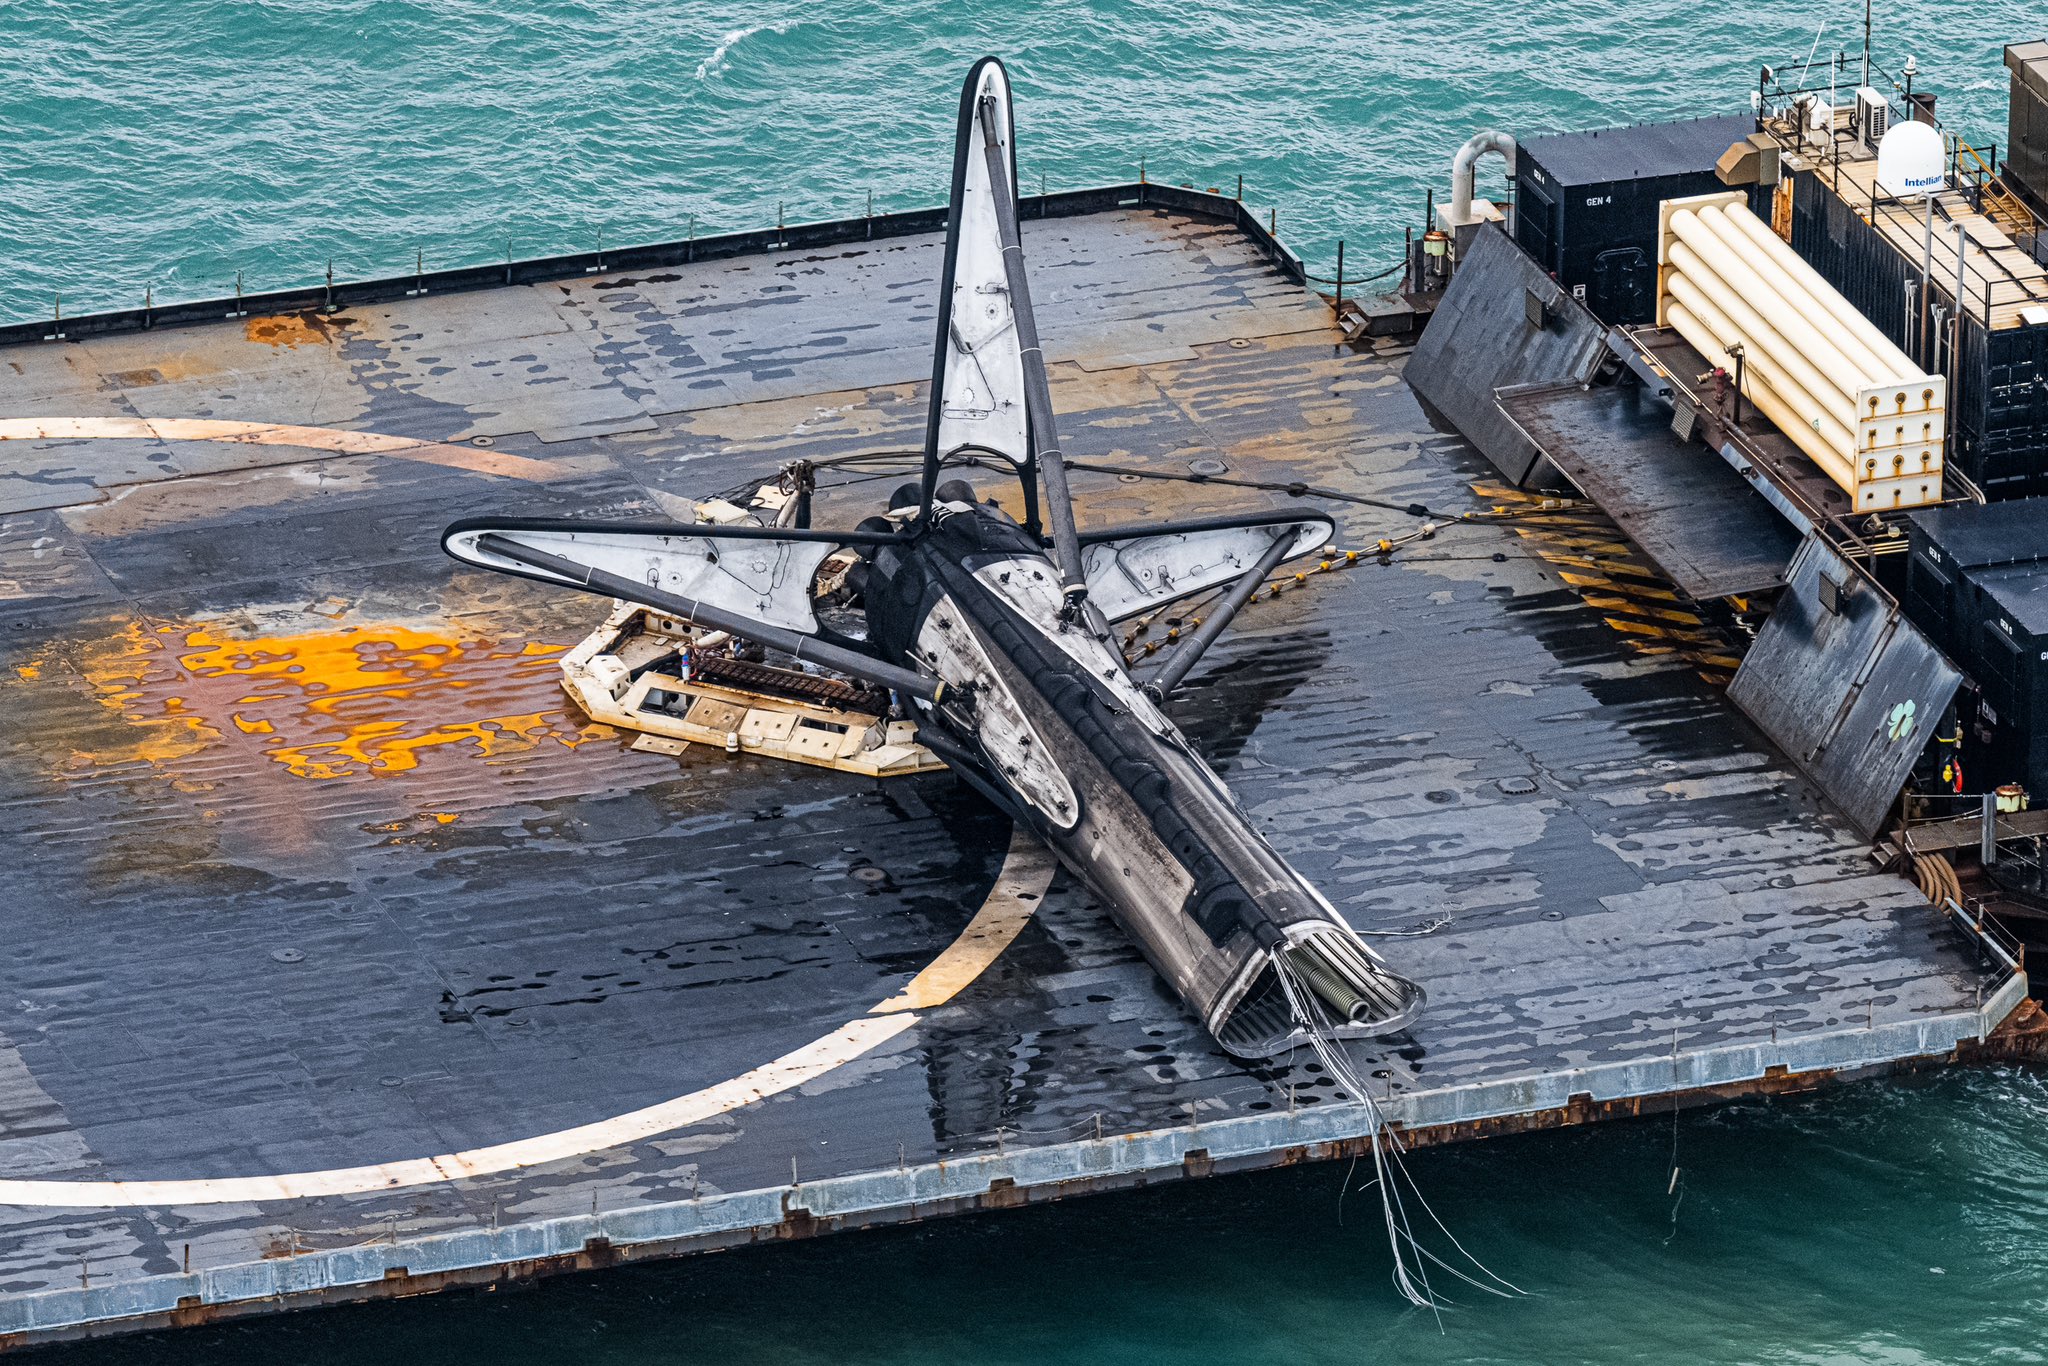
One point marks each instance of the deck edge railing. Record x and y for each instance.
(335, 296)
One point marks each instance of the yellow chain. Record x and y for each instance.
(1330, 563)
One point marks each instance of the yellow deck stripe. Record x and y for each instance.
(1633, 588)
(1026, 872)
(330, 439)
(1627, 604)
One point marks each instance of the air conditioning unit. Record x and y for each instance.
(1873, 117)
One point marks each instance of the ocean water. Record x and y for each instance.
(172, 144)
(1895, 1223)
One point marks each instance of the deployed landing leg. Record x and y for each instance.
(1190, 654)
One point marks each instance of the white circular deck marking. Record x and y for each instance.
(334, 440)
(1021, 882)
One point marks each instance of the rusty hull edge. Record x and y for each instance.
(1036, 1176)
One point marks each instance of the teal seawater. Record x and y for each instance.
(173, 143)
(1895, 1223)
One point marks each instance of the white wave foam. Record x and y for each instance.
(737, 36)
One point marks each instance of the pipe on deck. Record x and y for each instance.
(1465, 169)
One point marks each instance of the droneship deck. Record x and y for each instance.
(342, 960)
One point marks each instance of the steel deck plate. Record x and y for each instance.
(305, 865)
(1481, 340)
(1711, 533)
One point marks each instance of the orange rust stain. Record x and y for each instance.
(284, 329)
(186, 367)
(355, 701)
(372, 699)
(167, 367)
(414, 823)
(122, 670)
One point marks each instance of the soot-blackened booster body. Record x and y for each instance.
(1039, 712)
(1007, 652)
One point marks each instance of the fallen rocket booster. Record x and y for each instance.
(998, 632)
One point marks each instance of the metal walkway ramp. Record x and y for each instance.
(1698, 520)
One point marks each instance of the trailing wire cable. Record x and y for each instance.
(1971, 802)
(1345, 1188)
(897, 459)
(1293, 488)
(1400, 1238)
(1331, 562)
(1299, 489)
(1428, 927)
(2014, 854)
(1674, 1189)
(862, 479)
(1411, 1258)
(1187, 621)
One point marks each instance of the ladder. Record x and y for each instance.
(2000, 205)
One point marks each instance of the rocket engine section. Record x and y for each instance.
(1048, 723)
(1851, 401)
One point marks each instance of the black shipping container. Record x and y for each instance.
(1998, 390)
(1977, 585)
(2026, 140)
(2012, 656)
(1586, 204)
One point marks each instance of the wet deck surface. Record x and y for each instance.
(306, 865)
(1700, 523)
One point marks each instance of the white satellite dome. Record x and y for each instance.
(1911, 161)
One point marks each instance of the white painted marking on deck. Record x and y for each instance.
(1019, 886)
(333, 440)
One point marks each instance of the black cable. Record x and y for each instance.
(1293, 489)
(1355, 280)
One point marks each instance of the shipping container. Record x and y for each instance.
(2026, 140)
(1977, 585)
(1586, 204)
